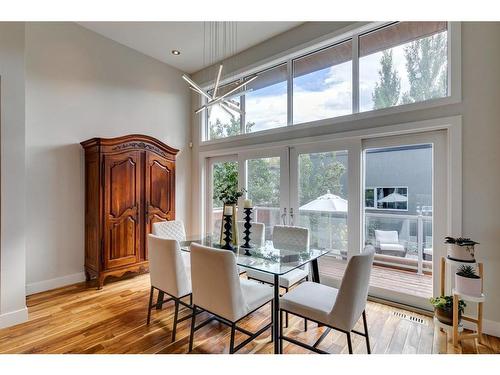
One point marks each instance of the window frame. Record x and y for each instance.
(353, 34)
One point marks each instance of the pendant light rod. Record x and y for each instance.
(212, 102)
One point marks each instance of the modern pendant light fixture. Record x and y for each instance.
(225, 33)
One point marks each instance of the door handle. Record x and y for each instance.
(291, 216)
(283, 216)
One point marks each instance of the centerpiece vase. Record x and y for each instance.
(234, 226)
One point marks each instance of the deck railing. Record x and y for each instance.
(329, 230)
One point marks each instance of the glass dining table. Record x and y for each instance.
(271, 260)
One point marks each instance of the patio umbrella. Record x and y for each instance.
(393, 198)
(328, 203)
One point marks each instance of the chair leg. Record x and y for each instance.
(149, 304)
(231, 343)
(349, 343)
(365, 324)
(272, 321)
(286, 314)
(191, 335)
(281, 332)
(176, 315)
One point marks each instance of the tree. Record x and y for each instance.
(221, 129)
(387, 90)
(319, 173)
(264, 181)
(426, 66)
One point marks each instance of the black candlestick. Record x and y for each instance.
(228, 233)
(247, 225)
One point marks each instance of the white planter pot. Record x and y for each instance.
(468, 286)
(460, 253)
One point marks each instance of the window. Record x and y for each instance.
(266, 100)
(222, 122)
(396, 64)
(403, 63)
(387, 198)
(322, 84)
(224, 174)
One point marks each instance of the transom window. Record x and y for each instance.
(397, 64)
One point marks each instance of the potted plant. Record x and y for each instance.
(461, 249)
(229, 194)
(467, 281)
(443, 308)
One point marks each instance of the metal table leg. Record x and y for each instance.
(315, 270)
(315, 276)
(276, 314)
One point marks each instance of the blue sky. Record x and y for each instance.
(321, 94)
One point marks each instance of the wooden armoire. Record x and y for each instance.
(129, 185)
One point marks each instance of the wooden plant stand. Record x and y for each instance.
(478, 320)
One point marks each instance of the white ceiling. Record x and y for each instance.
(158, 39)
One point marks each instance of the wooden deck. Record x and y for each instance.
(81, 319)
(384, 277)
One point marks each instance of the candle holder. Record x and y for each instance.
(228, 233)
(247, 226)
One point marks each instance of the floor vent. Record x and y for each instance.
(411, 318)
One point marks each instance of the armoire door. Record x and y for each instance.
(122, 209)
(160, 188)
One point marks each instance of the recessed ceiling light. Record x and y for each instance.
(176, 52)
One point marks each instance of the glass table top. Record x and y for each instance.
(265, 258)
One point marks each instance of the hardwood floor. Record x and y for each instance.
(81, 319)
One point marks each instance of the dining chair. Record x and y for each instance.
(286, 238)
(256, 233)
(256, 237)
(169, 274)
(338, 309)
(218, 289)
(173, 229)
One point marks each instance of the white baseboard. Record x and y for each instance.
(42, 286)
(14, 317)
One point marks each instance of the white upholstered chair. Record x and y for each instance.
(218, 289)
(387, 242)
(286, 238)
(256, 233)
(173, 230)
(339, 309)
(169, 274)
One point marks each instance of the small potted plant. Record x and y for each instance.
(467, 281)
(443, 309)
(461, 249)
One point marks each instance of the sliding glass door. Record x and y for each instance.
(404, 185)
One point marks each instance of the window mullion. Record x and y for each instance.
(355, 73)
(243, 128)
(289, 93)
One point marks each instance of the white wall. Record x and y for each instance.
(481, 136)
(12, 124)
(81, 85)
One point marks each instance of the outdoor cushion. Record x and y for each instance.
(386, 236)
(392, 247)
